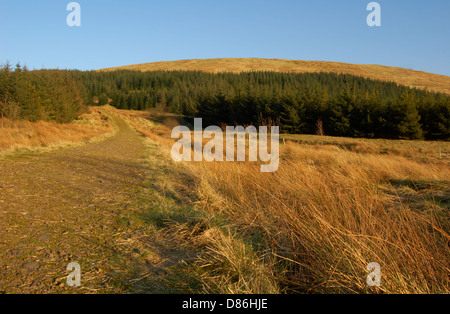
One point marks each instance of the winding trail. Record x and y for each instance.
(79, 205)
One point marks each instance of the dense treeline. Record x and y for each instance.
(50, 95)
(333, 104)
(325, 103)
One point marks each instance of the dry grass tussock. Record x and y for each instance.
(315, 224)
(326, 216)
(24, 135)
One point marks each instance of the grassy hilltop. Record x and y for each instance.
(417, 79)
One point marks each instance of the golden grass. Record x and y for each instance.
(25, 135)
(315, 224)
(432, 151)
(412, 78)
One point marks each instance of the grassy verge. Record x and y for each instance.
(211, 255)
(311, 227)
(24, 137)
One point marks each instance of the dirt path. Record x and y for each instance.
(79, 205)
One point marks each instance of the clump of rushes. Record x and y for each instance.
(315, 224)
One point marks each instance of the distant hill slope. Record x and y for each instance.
(418, 79)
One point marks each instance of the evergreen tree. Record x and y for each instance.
(406, 118)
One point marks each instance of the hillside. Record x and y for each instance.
(418, 79)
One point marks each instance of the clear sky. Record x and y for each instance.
(414, 33)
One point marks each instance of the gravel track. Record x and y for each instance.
(76, 205)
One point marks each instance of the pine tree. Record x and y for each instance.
(407, 118)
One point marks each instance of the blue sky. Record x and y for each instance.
(414, 33)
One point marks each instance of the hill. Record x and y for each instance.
(411, 78)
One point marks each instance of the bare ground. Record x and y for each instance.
(84, 204)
